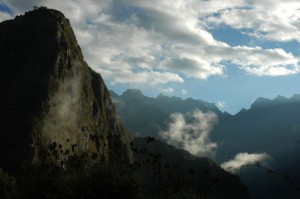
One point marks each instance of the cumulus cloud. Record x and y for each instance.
(271, 20)
(193, 67)
(191, 132)
(244, 159)
(129, 41)
(183, 92)
(150, 77)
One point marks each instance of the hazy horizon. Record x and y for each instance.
(154, 95)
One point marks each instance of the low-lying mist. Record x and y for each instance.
(63, 117)
(191, 132)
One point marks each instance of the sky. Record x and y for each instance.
(225, 52)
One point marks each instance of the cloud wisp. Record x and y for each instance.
(65, 110)
(191, 132)
(138, 42)
(244, 159)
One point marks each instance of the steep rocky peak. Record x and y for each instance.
(50, 95)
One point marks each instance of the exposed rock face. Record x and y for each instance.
(49, 94)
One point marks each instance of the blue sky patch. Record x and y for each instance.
(231, 36)
(5, 8)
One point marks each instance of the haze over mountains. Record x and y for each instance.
(269, 132)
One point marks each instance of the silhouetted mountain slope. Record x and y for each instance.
(49, 94)
(197, 177)
(271, 126)
(147, 116)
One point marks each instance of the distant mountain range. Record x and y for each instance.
(148, 116)
(269, 126)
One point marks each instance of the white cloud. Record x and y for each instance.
(149, 77)
(272, 20)
(244, 159)
(183, 92)
(193, 67)
(168, 90)
(191, 132)
(128, 40)
(257, 61)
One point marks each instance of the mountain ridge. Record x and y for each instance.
(153, 113)
(269, 126)
(161, 96)
(259, 102)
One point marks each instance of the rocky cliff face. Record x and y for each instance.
(50, 95)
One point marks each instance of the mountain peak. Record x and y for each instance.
(260, 102)
(280, 98)
(49, 93)
(44, 11)
(43, 16)
(161, 96)
(295, 97)
(133, 93)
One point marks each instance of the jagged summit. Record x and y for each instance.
(264, 102)
(260, 102)
(49, 94)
